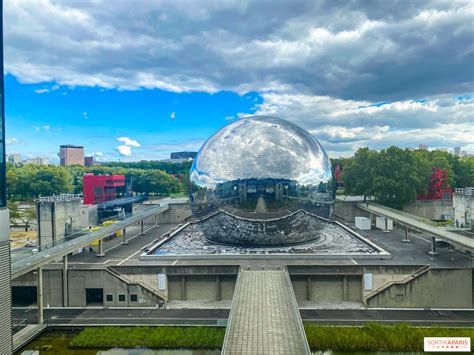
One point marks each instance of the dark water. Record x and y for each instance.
(58, 344)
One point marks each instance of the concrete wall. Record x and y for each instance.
(327, 288)
(464, 207)
(201, 287)
(317, 283)
(443, 288)
(429, 209)
(347, 210)
(54, 218)
(382, 275)
(176, 214)
(79, 280)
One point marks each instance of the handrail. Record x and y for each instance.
(411, 277)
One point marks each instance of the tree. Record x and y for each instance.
(24, 215)
(358, 173)
(396, 180)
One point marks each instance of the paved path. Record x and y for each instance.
(27, 334)
(264, 318)
(150, 316)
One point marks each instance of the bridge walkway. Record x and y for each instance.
(413, 222)
(264, 317)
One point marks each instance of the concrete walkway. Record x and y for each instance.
(264, 318)
(403, 218)
(25, 335)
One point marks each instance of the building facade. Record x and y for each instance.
(14, 158)
(37, 161)
(463, 207)
(99, 189)
(6, 345)
(88, 161)
(71, 155)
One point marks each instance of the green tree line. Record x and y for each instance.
(396, 176)
(26, 182)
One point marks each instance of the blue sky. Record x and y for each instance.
(352, 73)
(46, 115)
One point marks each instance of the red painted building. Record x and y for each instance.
(102, 188)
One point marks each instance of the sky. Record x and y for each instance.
(138, 80)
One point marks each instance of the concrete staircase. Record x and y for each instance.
(128, 281)
(424, 269)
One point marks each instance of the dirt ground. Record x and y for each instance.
(19, 238)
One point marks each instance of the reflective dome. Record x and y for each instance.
(261, 181)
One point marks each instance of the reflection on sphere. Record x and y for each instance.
(261, 181)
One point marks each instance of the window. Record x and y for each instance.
(121, 298)
(133, 298)
(109, 298)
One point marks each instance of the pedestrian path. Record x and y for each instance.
(264, 317)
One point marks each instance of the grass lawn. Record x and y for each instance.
(369, 337)
(375, 336)
(151, 337)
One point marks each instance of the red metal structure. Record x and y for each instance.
(102, 188)
(337, 173)
(438, 188)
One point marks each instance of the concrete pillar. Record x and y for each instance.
(141, 228)
(65, 285)
(39, 295)
(345, 289)
(156, 220)
(218, 288)
(124, 236)
(309, 286)
(433, 246)
(101, 248)
(183, 288)
(405, 239)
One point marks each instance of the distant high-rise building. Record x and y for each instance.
(423, 147)
(37, 161)
(71, 155)
(457, 151)
(6, 344)
(88, 161)
(183, 155)
(14, 158)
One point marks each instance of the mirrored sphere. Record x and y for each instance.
(261, 181)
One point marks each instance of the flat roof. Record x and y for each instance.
(71, 146)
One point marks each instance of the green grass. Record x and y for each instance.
(375, 336)
(151, 337)
(179, 194)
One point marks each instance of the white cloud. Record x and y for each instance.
(124, 150)
(46, 128)
(228, 118)
(173, 115)
(45, 90)
(129, 142)
(13, 141)
(355, 50)
(342, 126)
